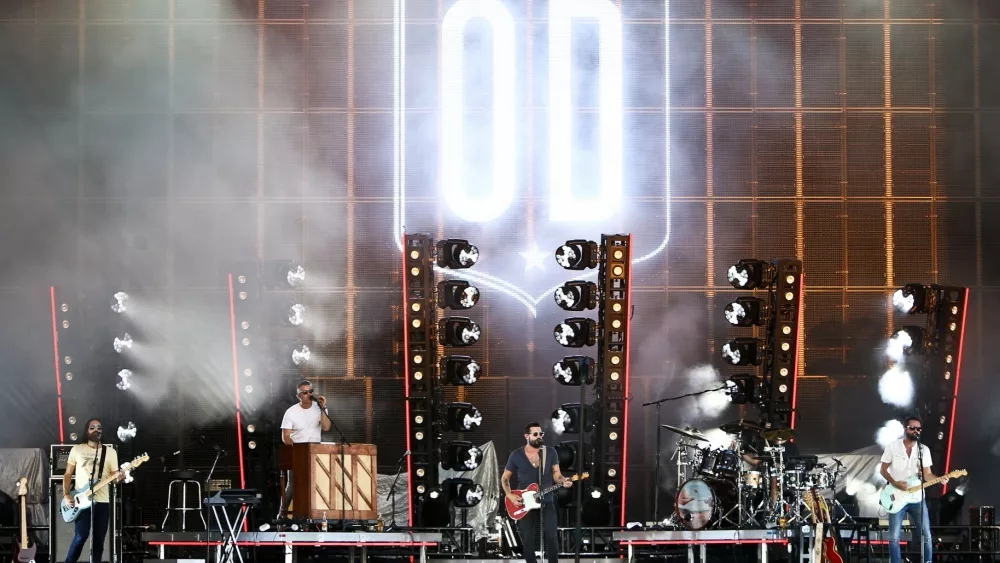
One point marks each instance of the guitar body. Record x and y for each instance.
(530, 500)
(24, 554)
(893, 500)
(82, 500)
(830, 553)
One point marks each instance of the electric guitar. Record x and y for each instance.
(531, 498)
(893, 500)
(83, 496)
(813, 503)
(22, 552)
(830, 552)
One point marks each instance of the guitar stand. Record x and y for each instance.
(230, 532)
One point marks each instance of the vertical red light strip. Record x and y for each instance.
(236, 381)
(798, 349)
(55, 353)
(628, 356)
(406, 383)
(958, 375)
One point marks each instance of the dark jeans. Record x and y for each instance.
(527, 528)
(102, 515)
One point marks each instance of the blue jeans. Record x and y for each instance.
(102, 515)
(916, 518)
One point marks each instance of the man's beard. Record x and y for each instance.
(94, 437)
(536, 442)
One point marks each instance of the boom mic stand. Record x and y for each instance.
(392, 489)
(343, 505)
(923, 497)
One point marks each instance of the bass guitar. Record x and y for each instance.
(23, 553)
(83, 496)
(893, 500)
(531, 498)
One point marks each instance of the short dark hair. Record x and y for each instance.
(906, 421)
(527, 429)
(304, 382)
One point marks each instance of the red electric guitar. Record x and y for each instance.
(22, 552)
(830, 553)
(531, 498)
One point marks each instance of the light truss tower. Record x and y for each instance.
(612, 389)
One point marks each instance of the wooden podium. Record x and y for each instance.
(321, 485)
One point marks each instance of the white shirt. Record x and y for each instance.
(902, 466)
(305, 424)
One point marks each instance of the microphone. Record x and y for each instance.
(221, 451)
(408, 452)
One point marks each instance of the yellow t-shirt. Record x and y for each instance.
(85, 458)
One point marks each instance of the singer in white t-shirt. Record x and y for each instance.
(303, 423)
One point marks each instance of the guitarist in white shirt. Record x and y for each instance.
(82, 461)
(901, 461)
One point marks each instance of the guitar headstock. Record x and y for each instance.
(957, 473)
(22, 487)
(139, 460)
(581, 477)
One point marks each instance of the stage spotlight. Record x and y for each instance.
(123, 343)
(301, 354)
(578, 254)
(461, 456)
(567, 455)
(459, 370)
(295, 275)
(463, 493)
(743, 389)
(951, 505)
(456, 254)
(567, 419)
(463, 417)
(574, 370)
(457, 294)
(297, 314)
(124, 379)
(458, 331)
(126, 433)
(747, 311)
(576, 332)
(119, 305)
(910, 299)
(904, 342)
(743, 351)
(751, 274)
(576, 295)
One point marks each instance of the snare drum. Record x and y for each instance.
(795, 479)
(819, 480)
(752, 479)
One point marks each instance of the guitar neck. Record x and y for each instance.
(24, 523)
(924, 485)
(101, 484)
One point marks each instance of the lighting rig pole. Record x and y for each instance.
(611, 295)
(427, 415)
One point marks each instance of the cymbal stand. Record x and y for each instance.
(779, 510)
(737, 444)
(836, 503)
(681, 457)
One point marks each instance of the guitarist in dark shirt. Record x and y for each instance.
(526, 464)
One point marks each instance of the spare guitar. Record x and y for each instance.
(893, 500)
(22, 552)
(830, 552)
(817, 522)
(531, 498)
(83, 496)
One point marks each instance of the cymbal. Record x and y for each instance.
(740, 426)
(779, 434)
(687, 433)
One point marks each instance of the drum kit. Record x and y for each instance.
(738, 486)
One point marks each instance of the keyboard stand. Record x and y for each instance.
(231, 531)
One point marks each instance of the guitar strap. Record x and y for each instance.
(100, 468)
(541, 467)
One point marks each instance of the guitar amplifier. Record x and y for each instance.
(58, 459)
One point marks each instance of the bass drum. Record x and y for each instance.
(701, 502)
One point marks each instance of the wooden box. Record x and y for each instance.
(320, 486)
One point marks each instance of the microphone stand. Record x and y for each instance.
(343, 506)
(93, 503)
(923, 498)
(392, 489)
